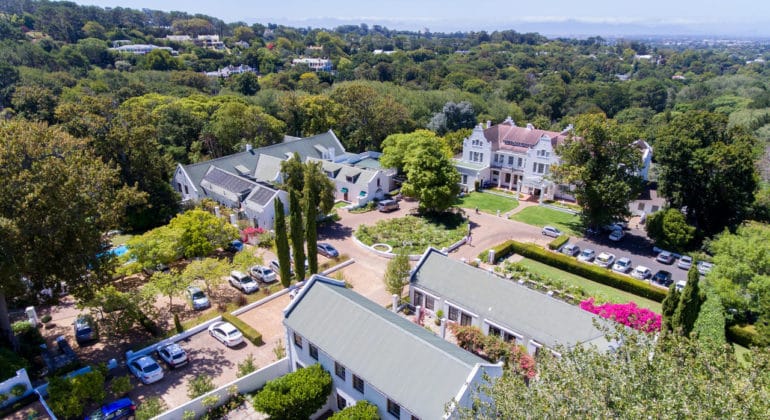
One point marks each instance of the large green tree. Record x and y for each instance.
(56, 200)
(397, 273)
(282, 243)
(602, 164)
(669, 229)
(309, 181)
(295, 395)
(707, 169)
(689, 304)
(202, 232)
(297, 234)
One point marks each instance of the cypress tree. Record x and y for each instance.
(689, 304)
(297, 234)
(311, 237)
(282, 243)
(669, 307)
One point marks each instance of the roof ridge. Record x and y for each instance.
(189, 165)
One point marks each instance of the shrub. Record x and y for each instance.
(627, 314)
(68, 396)
(710, 325)
(362, 410)
(296, 395)
(591, 272)
(744, 335)
(150, 408)
(279, 350)
(10, 362)
(3, 398)
(120, 385)
(199, 385)
(247, 366)
(18, 390)
(468, 337)
(558, 242)
(502, 251)
(248, 332)
(45, 319)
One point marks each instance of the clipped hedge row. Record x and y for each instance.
(502, 251)
(558, 242)
(744, 335)
(248, 332)
(591, 272)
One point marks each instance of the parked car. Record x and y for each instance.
(243, 281)
(197, 298)
(641, 272)
(605, 259)
(622, 265)
(387, 205)
(263, 274)
(570, 249)
(680, 285)
(226, 333)
(617, 235)
(159, 267)
(685, 262)
(146, 369)
(587, 255)
(551, 231)
(118, 409)
(275, 266)
(665, 257)
(85, 329)
(327, 250)
(704, 267)
(663, 277)
(173, 354)
(235, 246)
(612, 227)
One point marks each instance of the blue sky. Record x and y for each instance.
(706, 16)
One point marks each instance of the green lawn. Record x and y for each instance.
(592, 288)
(415, 233)
(542, 216)
(488, 203)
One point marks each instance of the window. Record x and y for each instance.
(509, 338)
(341, 402)
(350, 179)
(378, 182)
(179, 186)
(481, 157)
(640, 207)
(415, 418)
(313, 350)
(494, 331)
(521, 162)
(465, 319)
(510, 160)
(186, 191)
(464, 179)
(358, 384)
(429, 303)
(297, 340)
(330, 174)
(394, 409)
(453, 313)
(417, 299)
(654, 209)
(339, 370)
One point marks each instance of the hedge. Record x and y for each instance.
(558, 242)
(744, 335)
(591, 272)
(502, 251)
(250, 333)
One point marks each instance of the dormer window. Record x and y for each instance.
(330, 174)
(543, 153)
(350, 179)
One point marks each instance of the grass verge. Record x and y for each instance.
(543, 216)
(488, 203)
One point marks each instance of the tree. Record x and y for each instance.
(297, 234)
(707, 168)
(362, 410)
(246, 83)
(199, 385)
(208, 270)
(673, 378)
(426, 160)
(669, 229)
(689, 304)
(282, 243)
(202, 232)
(234, 124)
(397, 273)
(245, 259)
(453, 117)
(311, 236)
(308, 177)
(295, 395)
(169, 284)
(161, 245)
(710, 326)
(669, 304)
(47, 172)
(602, 164)
(161, 60)
(68, 396)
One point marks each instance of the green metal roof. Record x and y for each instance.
(415, 368)
(545, 319)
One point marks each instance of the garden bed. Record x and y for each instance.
(415, 233)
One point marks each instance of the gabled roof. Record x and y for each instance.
(508, 136)
(412, 366)
(306, 147)
(197, 171)
(261, 196)
(341, 172)
(268, 168)
(226, 180)
(515, 307)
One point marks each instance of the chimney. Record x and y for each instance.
(509, 120)
(567, 129)
(489, 123)
(530, 127)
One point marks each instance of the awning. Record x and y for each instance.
(362, 193)
(344, 190)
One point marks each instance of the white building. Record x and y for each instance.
(373, 354)
(141, 49)
(315, 64)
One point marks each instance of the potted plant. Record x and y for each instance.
(439, 317)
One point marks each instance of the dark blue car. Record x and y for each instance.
(119, 409)
(235, 246)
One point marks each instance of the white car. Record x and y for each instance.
(685, 262)
(551, 231)
(226, 333)
(243, 281)
(704, 267)
(587, 255)
(622, 265)
(605, 259)
(146, 369)
(641, 272)
(263, 274)
(173, 354)
(680, 285)
(570, 249)
(617, 235)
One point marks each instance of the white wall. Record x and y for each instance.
(22, 378)
(180, 178)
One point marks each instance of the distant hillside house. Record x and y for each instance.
(375, 355)
(248, 181)
(501, 307)
(519, 159)
(315, 64)
(231, 70)
(141, 49)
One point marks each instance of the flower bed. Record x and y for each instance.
(415, 233)
(626, 313)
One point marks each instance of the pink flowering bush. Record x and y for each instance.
(627, 314)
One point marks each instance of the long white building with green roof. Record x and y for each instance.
(375, 355)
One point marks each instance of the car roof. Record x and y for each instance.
(588, 250)
(173, 348)
(226, 327)
(664, 272)
(193, 289)
(641, 268)
(145, 361)
(117, 404)
(605, 254)
(685, 257)
(624, 259)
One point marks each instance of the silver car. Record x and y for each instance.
(685, 262)
(605, 259)
(173, 354)
(226, 333)
(551, 231)
(622, 265)
(146, 369)
(570, 249)
(243, 281)
(587, 255)
(263, 274)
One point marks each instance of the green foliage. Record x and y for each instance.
(208, 270)
(202, 232)
(10, 362)
(745, 335)
(669, 229)
(247, 366)
(120, 385)
(558, 242)
(397, 273)
(199, 385)
(245, 259)
(710, 325)
(670, 303)
(279, 350)
(282, 243)
(362, 410)
(18, 390)
(591, 272)
(311, 236)
(150, 408)
(415, 234)
(297, 235)
(689, 304)
(68, 396)
(298, 394)
(249, 333)
(601, 162)
(169, 284)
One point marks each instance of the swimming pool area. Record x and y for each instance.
(118, 251)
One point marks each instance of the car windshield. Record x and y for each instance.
(232, 333)
(152, 367)
(587, 252)
(198, 295)
(83, 330)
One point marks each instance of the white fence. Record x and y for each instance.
(21, 379)
(246, 384)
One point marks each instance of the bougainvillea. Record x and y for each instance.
(627, 314)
